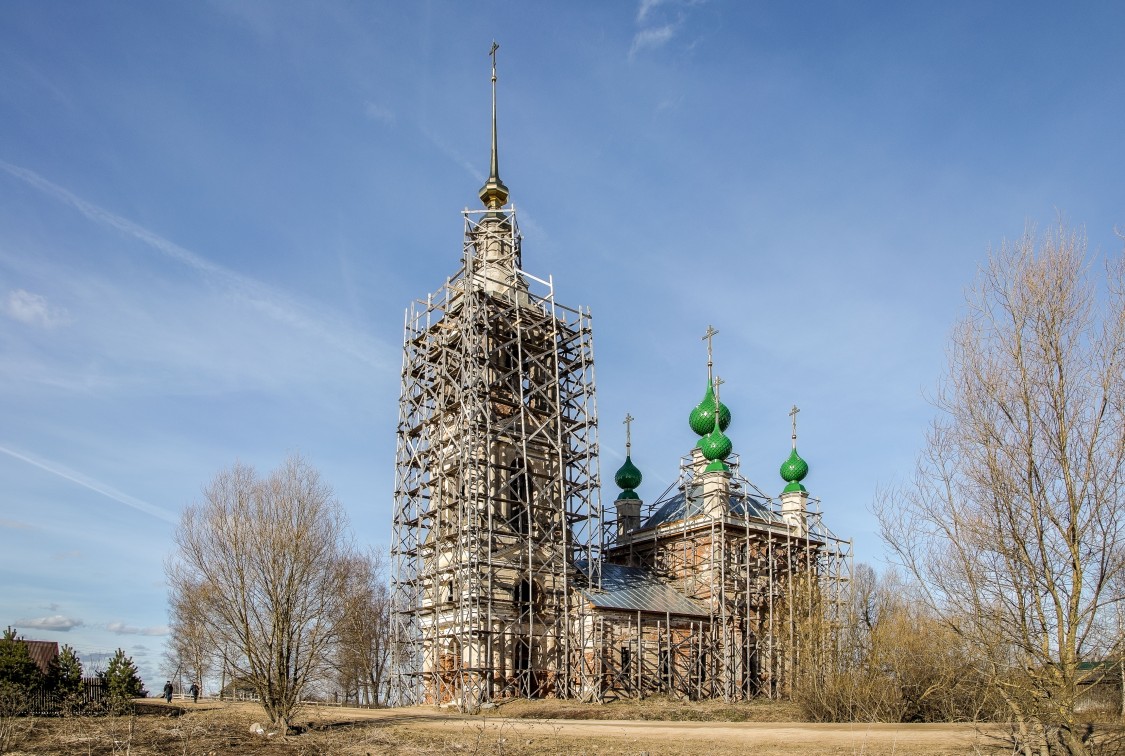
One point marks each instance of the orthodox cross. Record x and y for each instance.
(711, 333)
(793, 414)
(492, 52)
(718, 382)
(628, 432)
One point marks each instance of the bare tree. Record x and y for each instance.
(363, 646)
(192, 651)
(1013, 522)
(889, 660)
(263, 566)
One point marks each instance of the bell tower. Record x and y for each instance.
(496, 485)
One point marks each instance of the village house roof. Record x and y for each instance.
(42, 653)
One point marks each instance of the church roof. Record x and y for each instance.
(676, 508)
(636, 589)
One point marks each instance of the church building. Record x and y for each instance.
(510, 579)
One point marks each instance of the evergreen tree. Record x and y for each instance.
(122, 680)
(68, 677)
(16, 665)
(19, 674)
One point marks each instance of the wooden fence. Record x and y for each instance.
(42, 702)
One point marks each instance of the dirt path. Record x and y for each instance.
(455, 733)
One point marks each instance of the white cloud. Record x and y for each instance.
(34, 309)
(658, 22)
(652, 38)
(57, 622)
(645, 7)
(14, 524)
(122, 628)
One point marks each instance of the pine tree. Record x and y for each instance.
(122, 680)
(16, 665)
(19, 674)
(67, 670)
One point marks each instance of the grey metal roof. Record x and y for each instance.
(636, 589)
(674, 508)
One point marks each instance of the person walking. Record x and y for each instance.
(168, 691)
(194, 690)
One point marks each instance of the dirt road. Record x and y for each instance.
(456, 733)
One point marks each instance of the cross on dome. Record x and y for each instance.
(711, 333)
(793, 414)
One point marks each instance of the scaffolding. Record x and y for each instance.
(496, 485)
(762, 577)
(502, 560)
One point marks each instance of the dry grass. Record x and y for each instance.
(657, 726)
(655, 708)
(201, 730)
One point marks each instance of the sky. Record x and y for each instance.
(214, 214)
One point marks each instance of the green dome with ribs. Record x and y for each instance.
(628, 476)
(702, 418)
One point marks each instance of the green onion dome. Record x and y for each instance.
(628, 476)
(702, 418)
(793, 471)
(715, 445)
(628, 493)
(717, 466)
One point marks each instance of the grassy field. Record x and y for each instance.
(649, 727)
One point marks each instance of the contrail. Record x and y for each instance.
(87, 482)
(255, 293)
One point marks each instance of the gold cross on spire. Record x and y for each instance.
(718, 382)
(628, 432)
(492, 52)
(793, 414)
(711, 333)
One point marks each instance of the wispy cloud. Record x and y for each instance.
(377, 112)
(646, 6)
(121, 628)
(14, 524)
(252, 292)
(87, 482)
(652, 38)
(33, 309)
(654, 33)
(57, 622)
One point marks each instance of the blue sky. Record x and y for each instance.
(213, 214)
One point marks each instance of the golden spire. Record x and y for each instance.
(494, 194)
